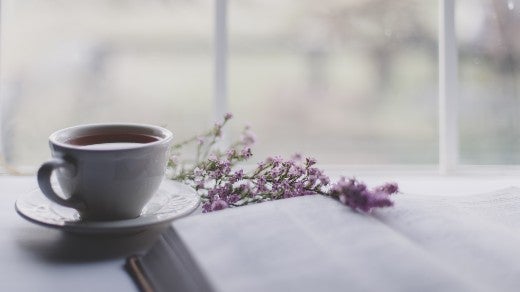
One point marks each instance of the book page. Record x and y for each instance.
(502, 206)
(315, 243)
(476, 235)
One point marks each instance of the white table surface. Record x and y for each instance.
(35, 258)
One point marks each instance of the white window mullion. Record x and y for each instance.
(220, 54)
(448, 88)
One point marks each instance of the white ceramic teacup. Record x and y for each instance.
(107, 171)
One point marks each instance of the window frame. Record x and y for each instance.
(448, 88)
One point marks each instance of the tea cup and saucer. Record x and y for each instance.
(112, 181)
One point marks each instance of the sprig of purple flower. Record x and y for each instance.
(221, 185)
(356, 194)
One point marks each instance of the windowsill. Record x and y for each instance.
(361, 170)
(417, 180)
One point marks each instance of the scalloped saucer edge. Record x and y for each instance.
(173, 200)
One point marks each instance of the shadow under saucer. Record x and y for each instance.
(55, 246)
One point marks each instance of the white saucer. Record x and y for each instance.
(171, 201)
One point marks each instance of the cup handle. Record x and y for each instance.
(44, 181)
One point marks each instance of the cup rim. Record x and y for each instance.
(165, 135)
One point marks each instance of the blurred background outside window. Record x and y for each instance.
(489, 77)
(344, 81)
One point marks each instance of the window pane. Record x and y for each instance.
(350, 81)
(69, 62)
(489, 53)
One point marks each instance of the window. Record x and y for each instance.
(350, 82)
(346, 81)
(489, 63)
(71, 62)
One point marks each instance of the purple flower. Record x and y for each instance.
(200, 185)
(310, 161)
(261, 185)
(246, 153)
(248, 138)
(324, 180)
(275, 172)
(236, 176)
(314, 171)
(231, 153)
(296, 171)
(198, 172)
(219, 205)
(275, 161)
(212, 157)
(218, 168)
(228, 116)
(233, 199)
(378, 200)
(296, 157)
(389, 188)
(356, 195)
(243, 189)
(206, 207)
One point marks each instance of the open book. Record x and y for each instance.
(313, 243)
